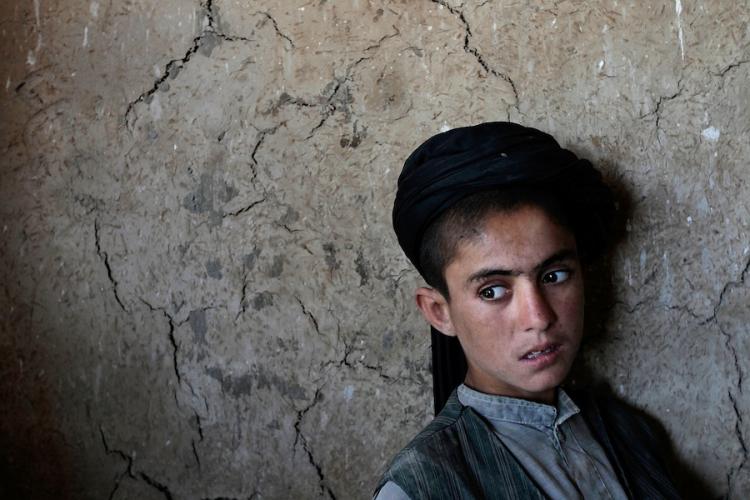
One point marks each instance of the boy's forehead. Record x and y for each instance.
(511, 242)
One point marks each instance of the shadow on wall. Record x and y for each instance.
(600, 299)
(34, 458)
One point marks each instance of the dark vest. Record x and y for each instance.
(459, 456)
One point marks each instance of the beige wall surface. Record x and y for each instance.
(202, 296)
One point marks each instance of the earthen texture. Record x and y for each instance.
(201, 293)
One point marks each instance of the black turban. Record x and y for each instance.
(453, 165)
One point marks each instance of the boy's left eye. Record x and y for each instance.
(493, 292)
(556, 276)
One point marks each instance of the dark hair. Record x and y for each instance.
(464, 220)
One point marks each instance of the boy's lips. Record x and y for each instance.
(541, 351)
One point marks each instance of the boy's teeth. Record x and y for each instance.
(536, 354)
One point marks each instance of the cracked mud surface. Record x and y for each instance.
(201, 293)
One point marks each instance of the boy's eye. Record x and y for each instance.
(556, 276)
(493, 292)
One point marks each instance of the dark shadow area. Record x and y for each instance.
(449, 357)
(35, 461)
(686, 479)
(600, 301)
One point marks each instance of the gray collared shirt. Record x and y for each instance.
(552, 443)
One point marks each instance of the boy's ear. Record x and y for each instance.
(435, 310)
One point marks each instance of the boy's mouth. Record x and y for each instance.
(540, 351)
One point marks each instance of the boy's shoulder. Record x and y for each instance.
(453, 455)
(436, 442)
(444, 422)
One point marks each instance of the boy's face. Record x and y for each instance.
(516, 304)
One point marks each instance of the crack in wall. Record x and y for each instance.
(684, 309)
(631, 309)
(383, 38)
(329, 108)
(352, 365)
(286, 98)
(244, 209)
(300, 438)
(163, 488)
(104, 257)
(171, 70)
(262, 134)
(171, 336)
(741, 440)
(128, 472)
(173, 324)
(729, 343)
(729, 340)
(378, 370)
(338, 97)
(207, 39)
(193, 443)
(175, 348)
(348, 350)
(334, 97)
(656, 112)
(469, 49)
(243, 297)
(728, 286)
(291, 230)
(199, 423)
(731, 67)
(738, 416)
(276, 28)
(309, 315)
(628, 309)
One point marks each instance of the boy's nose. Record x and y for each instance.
(535, 312)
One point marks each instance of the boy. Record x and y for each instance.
(498, 219)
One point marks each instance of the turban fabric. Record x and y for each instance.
(461, 162)
(452, 165)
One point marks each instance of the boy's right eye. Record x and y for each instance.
(493, 292)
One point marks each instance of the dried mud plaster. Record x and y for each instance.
(202, 296)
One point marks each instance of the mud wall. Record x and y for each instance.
(201, 293)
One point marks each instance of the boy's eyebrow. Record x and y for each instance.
(564, 254)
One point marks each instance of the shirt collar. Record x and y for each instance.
(519, 411)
